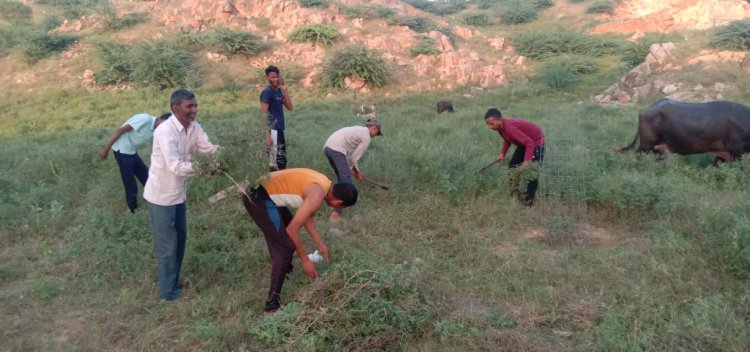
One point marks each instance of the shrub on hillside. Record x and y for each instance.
(557, 75)
(316, 33)
(50, 22)
(226, 41)
(9, 39)
(605, 6)
(542, 4)
(366, 11)
(355, 61)
(518, 12)
(14, 11)
(425, 46)
(312, 3)
(78, 8)
(539, 45)
(415, 23)
(39, 45)
(476, 20)
(440, 8)
(162, 64)
(112, 23)
(733, 36)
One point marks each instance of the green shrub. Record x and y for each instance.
(415, 23)
(39, 45)
(312, 3)
(355, 61)
(440, 8)
(78, 8)
(225, 41)
(9, 39)
(557, 75)
(607, 7)
(117, 66)
(366, 11)
(112, 23)
(476, 20)
(233, 42)
(425, 46)
(162, 64)
(733, 36)
(316, 33)
(14, 11)
(542, 4)
(518, 12)
(50, 22)
(539, 45)
(576, 1)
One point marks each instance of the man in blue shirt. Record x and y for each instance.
(135, 132)
(273, 99)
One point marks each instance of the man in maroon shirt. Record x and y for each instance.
(529, 141)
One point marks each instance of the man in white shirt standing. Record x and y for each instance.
(343, 150)
(166, 189)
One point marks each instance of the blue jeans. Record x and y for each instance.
(131, 167)
(169, 225)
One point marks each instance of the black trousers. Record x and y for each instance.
(272, 220)
(515, 161)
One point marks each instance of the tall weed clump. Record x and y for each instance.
(476, 20)
(350, 308)
(367, 12)
(440, 8)
(425, 46)
(38, 45)
(315, 33)
(161, 64)
(605, 6)
(416, 23)
(355, 61)
(14, 11)
(564, 72)
(312, 3)
(540, 45)
(518, 12)
(226, 41)
(78, 8)
(113, 23)
(733, 36)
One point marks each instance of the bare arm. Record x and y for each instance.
(287, 98)
(313, 231)
(313, 197)
(105, 151)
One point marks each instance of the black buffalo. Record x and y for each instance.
(444, 105)
(719, 127)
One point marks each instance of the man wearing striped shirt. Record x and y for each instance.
(344, 148)
(268, 205)
(529, 141)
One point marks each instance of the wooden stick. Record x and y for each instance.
(374, 183)
(239, 187)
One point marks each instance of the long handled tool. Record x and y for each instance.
(378, 184)
(484, 169)
(238, 187)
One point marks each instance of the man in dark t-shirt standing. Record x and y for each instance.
(273, 99)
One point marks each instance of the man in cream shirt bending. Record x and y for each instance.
(166, 189)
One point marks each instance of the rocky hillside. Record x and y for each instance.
(480, 56)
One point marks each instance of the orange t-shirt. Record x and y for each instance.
(285, 187)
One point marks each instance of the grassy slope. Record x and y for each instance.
(77, 273)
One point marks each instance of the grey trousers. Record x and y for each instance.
(340, 167)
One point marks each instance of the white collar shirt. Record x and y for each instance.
(171, 161)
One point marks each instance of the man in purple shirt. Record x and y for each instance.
(529, 141)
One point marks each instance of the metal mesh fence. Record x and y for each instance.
(564, 214)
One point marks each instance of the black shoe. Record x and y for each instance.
(271, 306)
